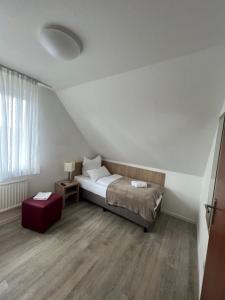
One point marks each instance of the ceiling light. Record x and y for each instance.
(60, 42)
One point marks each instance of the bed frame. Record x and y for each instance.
(128, 171)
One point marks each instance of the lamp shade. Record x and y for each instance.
(69, 166)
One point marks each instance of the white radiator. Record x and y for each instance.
(12, 194)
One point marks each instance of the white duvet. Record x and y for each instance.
(105, 181)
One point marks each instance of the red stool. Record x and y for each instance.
(40, 215)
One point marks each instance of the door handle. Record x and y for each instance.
(209, 207)
(213, 208)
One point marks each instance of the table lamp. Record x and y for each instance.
(69, 167)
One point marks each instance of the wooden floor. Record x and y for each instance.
(90, 254)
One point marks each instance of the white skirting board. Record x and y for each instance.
(172, 214)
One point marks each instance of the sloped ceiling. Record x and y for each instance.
(118, 35)
(161, 116)
(164, 113)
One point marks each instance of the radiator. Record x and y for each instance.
(12, 194)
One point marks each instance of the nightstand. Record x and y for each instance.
(67, 189)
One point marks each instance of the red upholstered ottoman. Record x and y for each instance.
(40, 215)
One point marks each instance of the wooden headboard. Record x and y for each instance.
(128, 171)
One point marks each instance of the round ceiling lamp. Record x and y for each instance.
(60, 42)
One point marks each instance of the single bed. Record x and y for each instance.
(96, 192)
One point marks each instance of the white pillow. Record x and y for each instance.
(90, 164)
(96, 174)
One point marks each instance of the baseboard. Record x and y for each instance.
(177, 216)
(10, 208)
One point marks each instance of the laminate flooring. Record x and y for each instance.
(94, 255)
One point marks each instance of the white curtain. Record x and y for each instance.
(18, 125)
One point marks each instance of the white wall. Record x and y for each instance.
(202, 229)
(182, 196)
(59, 141)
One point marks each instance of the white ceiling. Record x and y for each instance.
(161, 116)
(118, 35)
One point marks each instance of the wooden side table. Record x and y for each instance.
(67, 189)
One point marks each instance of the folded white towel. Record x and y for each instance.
(42, 196)
(139, 184)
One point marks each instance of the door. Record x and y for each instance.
(214, 276)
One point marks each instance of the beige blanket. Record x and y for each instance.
(141, 201)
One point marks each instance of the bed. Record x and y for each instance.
(96, 192)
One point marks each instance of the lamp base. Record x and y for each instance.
(70, 176)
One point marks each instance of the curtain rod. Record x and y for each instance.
(38, 81)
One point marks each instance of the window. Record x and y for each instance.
(18, 125)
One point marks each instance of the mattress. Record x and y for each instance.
(94, 187)
(99, 187)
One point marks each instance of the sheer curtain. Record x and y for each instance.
(18, 125)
